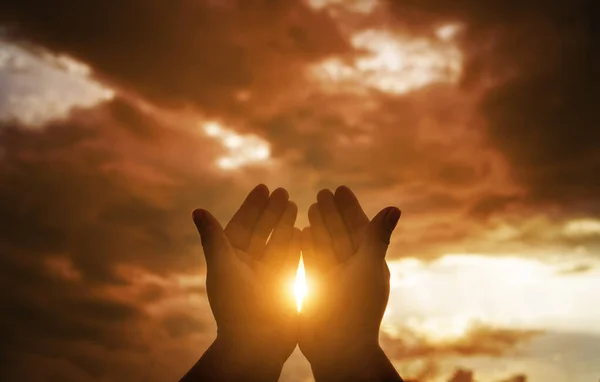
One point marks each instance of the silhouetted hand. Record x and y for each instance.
(246, 286)
(344, 256)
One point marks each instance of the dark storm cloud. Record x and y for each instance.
(415, 151)
(79, 200)
(178, 52)
(545, 59)
(93, 188)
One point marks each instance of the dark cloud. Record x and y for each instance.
(516, 378)
(462, 376)
(415, 151)
(479, 340)
(184, 52)
(93, 188)
(544, 61)
(82, 202)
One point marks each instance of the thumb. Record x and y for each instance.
(211, 233)
(381, 227)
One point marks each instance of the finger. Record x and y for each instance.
(313, 269)
(266, 222)
(340, 237)
(240, 227)
(321, 240)
(293, 259)
(308, 250)
(379, 231)
(214, 242)
(279, 243)
(290, 266)
(352, 213)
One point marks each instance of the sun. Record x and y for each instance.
(300, 287)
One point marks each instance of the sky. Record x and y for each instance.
(477, 119)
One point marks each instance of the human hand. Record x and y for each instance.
(245, 283)
(344, 257)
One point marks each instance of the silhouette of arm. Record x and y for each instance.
(225, 361)
(344, 255)
(255, 316)
(368, 364)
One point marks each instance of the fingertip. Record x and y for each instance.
(199, 217)
(280, 192)
(323, 194)
(343, 189)
(391, 217)
(261, 189)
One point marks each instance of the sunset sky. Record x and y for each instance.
(479, 120)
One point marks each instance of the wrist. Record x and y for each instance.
(255, 354)
(266, 345)
(367, 363)
(227, 360)
(339, 363)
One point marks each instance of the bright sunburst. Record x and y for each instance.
(300, 288)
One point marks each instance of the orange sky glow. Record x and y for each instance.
(452, 114)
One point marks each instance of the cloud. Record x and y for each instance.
(413, 147)
(464, 375)
(431, 358)
(540, 65)
(38, 87)
(101, 265)
(479, 340)
(202, 53)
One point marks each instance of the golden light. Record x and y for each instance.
(43, 86)
(300, 287)
(394, 63)
(242, 149)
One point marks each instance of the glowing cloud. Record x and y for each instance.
(39, 87)
(393, 63)
(242, 149)
(443, 298)
(358, 6)
(582, 228)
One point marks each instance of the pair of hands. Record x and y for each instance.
(251, 264)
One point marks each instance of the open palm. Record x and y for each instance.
(246, 274)
(344, 253)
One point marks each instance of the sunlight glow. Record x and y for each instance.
(394, 63)
(582, 228)
(441, 299)
(357, 6)
(300, 287)
(447, 32)
(242, 149)
(38, 87)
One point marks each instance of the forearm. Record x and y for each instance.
(369, 365)
(228, 361)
